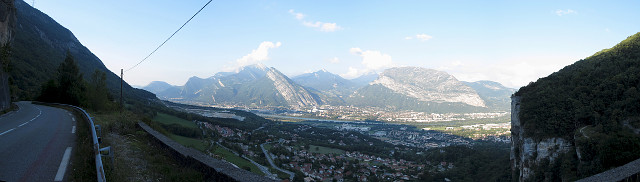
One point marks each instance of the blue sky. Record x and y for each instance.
(512, 42)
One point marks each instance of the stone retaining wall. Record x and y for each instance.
(216, 169)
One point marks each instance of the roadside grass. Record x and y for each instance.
(169, 119)
(83, 164)
(136, 156)
(237, 160)
(324, 150)
(186, 141)
(189, 142)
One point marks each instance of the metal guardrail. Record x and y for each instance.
(96, 142)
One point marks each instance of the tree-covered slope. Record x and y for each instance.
(593, 103)
(599, 90)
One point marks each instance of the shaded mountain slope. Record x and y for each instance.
(41, 44)
(580, 120)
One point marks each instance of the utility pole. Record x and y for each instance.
(121, 80)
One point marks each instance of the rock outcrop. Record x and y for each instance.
(294, 94)
(428, 85)
(7, 24)
(527, 153)
(250, 85)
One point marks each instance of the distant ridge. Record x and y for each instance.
(406, 88)
(249, 85)
(418, 89)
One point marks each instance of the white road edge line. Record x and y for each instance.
(73, 130)
(7, 131)
(72, 118)
(37, 115)
(63, 165)
(23, 124)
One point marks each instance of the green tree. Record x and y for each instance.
(98, 93)
(71, 82)
(70, 86)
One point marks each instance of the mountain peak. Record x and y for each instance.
(258, 66)
(428, 85)
(326, 82)
(157, 86)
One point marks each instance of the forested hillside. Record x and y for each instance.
(593, 104)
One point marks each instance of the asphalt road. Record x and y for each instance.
(33, 143)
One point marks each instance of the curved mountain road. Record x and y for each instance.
(36, 143)
(266, 154)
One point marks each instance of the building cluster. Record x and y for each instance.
(422, 139)
(354, 166)
(348, 127)
(353, 113)
(487, 126)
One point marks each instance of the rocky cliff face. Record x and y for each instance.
(253, 84)
(294, 94)
(7, 24)
(428, 85)
(526, 153)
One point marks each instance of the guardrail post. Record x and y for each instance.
(99, 130)
(106, 152)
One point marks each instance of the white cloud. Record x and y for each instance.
(256, 56)
(322, 26)
(513, 73)
(355, 50)
(325, 27)
(352, 73)
(560, 12)
(457, 63)
(421, 37)
(334, 60)
(371, 61)
(298, 16)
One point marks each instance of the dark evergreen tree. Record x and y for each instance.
(69, 88)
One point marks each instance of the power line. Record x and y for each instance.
(174, 33)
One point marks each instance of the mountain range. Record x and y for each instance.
(251, 85)
(401, 88)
